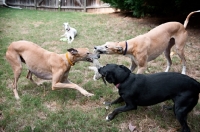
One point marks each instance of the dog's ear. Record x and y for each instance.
(121, 73)
(102, 72)
(72, 51)
(110, 78)
(65, 24)
(119, 49)
(125, 68)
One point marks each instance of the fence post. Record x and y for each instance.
(85, 5)
(35, 3)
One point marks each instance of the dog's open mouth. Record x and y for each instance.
(89, 59)
(97, 51)
(93, 57)
(100, 52)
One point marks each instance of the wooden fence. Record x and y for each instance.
(77, 5)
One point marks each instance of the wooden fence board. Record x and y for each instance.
(79, 4)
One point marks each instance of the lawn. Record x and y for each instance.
(42, 110)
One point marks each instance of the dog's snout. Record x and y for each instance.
(96, 56)
(95, 47)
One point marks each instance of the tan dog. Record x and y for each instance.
(149, 46)
(45, 64)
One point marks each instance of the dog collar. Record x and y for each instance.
(125, 51)
(117, 85)
(69, 59)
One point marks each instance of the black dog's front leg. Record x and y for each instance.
(118, 100)
(119, 110)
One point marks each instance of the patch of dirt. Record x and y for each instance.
(53, 106)
(37, 24)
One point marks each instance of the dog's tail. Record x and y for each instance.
(188, 17)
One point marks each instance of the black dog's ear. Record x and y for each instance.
(110, 78)
(125, 68)
(72, 51)
(121, 73)
(104, 74)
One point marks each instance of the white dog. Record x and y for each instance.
(70, 33)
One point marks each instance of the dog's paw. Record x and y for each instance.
(107, 103)
(107, 118)
(110, 117)
(89, 94)
(107, 107)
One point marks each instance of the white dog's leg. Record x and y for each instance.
(68, 38)
(72, 39)
(62, 35)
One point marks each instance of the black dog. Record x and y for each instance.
(145, 90)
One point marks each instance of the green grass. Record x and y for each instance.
(42, 110)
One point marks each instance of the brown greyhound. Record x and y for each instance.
(149, 46)
(45, 64)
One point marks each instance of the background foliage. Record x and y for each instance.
(141, 8)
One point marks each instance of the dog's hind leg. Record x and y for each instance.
(167, 54)
(29, 75)
(182, 118)
(71, 40)
(180, 44)
(182, 56)
(14, 59)
(182, 106)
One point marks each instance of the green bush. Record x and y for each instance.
(141, 8)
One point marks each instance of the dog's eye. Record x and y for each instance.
(106, 46)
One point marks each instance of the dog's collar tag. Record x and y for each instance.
(125, 51)
(69, 59)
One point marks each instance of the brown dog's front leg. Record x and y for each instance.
(71, 85)
(142, 64)
(61, 82)
(133, 65)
